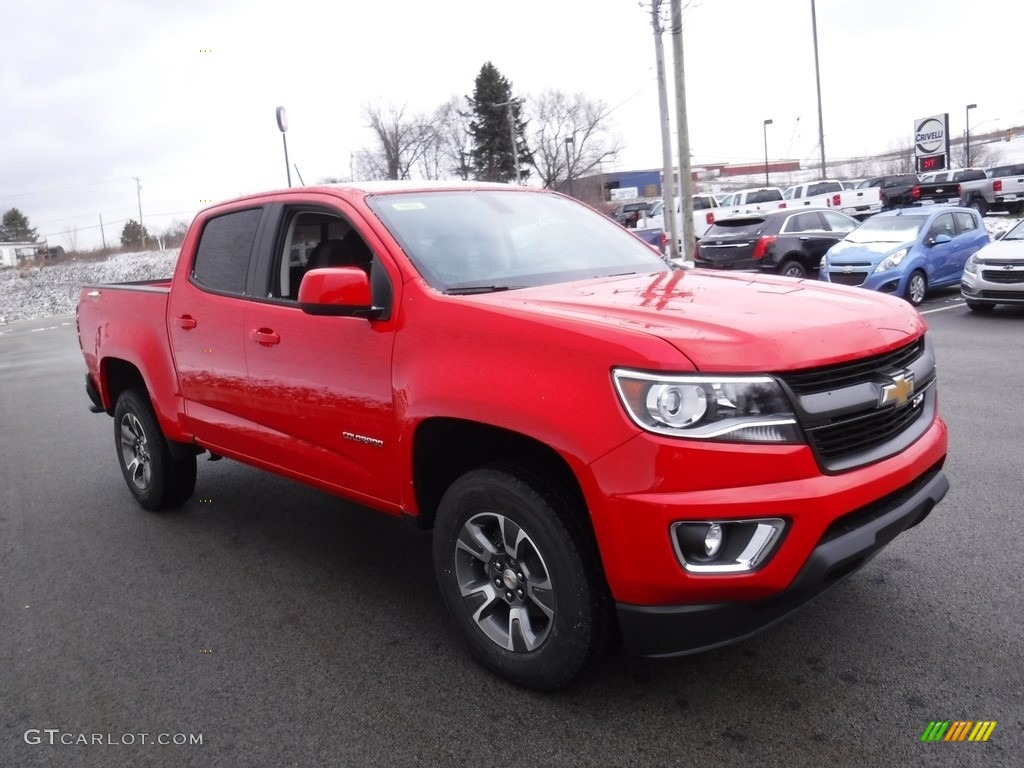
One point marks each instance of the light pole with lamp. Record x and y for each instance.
(967, 135)
(766, 124)
(282, 124)
(569, 141)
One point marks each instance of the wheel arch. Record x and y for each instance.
(118, 375)
(446, 448)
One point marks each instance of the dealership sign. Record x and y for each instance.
(931, 142)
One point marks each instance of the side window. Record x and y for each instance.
(222, 259)
(837, 222)
(804, 222)
(317, 239)
(964, 221)
(943, 225)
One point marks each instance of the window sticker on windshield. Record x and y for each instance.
(413, 206)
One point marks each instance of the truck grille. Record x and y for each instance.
(829, 377)
(849, 412)
(862, 433)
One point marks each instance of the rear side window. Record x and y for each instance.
(222, 260)
(804, 222)
(964, 221)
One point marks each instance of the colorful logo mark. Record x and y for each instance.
(958, 730)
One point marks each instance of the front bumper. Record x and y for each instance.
(1010, 289)
(847, 544)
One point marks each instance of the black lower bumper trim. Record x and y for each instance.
(681, 629)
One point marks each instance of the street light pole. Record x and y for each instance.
(569, 141)
(967, 135)
(282, 124)
(512, 134)
(817, 79)
(766, 124)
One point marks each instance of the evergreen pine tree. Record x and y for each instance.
(14, 228)
(492, 155)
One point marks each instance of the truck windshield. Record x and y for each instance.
(887, 229)
(480, 240)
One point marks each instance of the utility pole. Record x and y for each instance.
(512, 133)
(103, 235)
(667, 185)
(688, 236)
(138, 192)
(817, 78)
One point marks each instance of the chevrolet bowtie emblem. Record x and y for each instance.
(899, 392)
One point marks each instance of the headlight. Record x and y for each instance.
(972, 264)
(733, 408)
(892, 260)
(823, 264)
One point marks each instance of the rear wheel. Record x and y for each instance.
(156, 480)
(792, 269)
(917, 287)
(977, 306)
(520, 576)
(979, 204)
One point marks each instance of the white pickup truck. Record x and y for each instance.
(830, 193)
(1003, 190)
(748, 200)
(705, 210)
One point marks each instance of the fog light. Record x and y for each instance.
(713, 540)
(726, 546)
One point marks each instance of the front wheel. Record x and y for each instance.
(156, 479)
(792, 269)
(519, 575)
(917, 287)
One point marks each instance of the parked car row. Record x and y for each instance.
(904, 252)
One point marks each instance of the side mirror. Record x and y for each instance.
(937, 240)
(341, 291)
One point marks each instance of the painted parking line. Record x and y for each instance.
(957, 305)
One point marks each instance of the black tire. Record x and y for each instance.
(978, 204)
(156, 480)
(535, 610)
(792, 269)
(976, 306)
(917, 287)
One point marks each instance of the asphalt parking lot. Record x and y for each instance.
(270, 624)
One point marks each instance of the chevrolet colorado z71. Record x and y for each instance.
(605, 446)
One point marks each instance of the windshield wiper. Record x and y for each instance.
(469, 290)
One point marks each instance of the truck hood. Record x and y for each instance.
(844, 252)
(729, 322)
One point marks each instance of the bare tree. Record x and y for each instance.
(401, 141)
(71, 233)
(982, 155)
(571, 136)
(454, 141)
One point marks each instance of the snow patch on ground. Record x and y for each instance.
(33, 292)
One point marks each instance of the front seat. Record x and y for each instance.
(330, 253)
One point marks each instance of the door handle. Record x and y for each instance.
(264, 336)
(186, 321)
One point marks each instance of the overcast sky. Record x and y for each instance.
(182, 94)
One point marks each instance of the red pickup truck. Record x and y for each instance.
(605, 446)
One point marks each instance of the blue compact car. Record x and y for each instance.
(906, 252)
